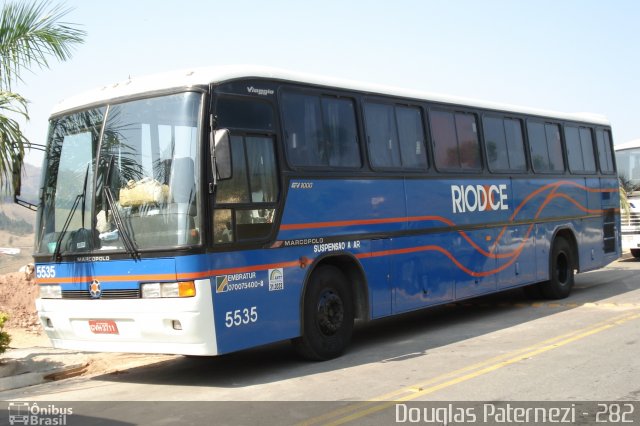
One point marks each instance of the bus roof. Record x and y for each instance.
(203, 76)
(627, 145)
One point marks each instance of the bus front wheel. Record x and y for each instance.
(635, 253)
(561, 273)
(327, 316)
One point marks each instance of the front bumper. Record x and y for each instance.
(144, 325)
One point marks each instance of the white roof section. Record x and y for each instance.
(204, 76)
(627, 145)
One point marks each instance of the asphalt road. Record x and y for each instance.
(497, 348)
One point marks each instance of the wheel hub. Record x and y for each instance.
(330, 312)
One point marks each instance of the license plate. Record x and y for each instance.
(103, 327)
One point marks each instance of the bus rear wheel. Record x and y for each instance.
(328, 314)
(635, 253)
(561, 273)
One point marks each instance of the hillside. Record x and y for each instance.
(11, 263)
(17, 223)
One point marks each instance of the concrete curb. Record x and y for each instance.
(28, 366)
(36, 378)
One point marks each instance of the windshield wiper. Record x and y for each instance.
(129, 245)
(82, 196)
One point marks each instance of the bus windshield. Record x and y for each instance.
(122, 176)
(628, 161)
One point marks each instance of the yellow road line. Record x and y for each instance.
(384, 405)
(411, 392)
(554, 305)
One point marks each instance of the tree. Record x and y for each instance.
(30, 35)
(5, 339)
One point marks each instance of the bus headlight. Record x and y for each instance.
(159, 290)
(50, 291)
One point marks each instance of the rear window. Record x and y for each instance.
(603, 141)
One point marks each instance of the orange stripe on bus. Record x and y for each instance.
(107, 278)
(487, 253)
(512, 255)
(168, 277)
(357, 222)
(443, 251)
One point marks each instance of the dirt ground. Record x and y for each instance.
(18, 293)
(17, 298)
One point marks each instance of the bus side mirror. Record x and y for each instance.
(221, 154)
(16, 183)
(16, 177)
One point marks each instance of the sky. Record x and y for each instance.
(568, 55)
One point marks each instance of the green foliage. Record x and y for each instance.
(5, 339)
(30, 34)
(626, 184)
(625, 189)
(12, 140)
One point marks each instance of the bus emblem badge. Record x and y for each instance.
(276, 279)
(94, 289)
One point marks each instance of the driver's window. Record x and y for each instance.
(236, 189)
(245, 204)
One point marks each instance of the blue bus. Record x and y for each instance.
(214, 210)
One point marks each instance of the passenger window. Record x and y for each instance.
(604, 151)
(455, 140)
(574, 153)
(546, 147)
(445, 143)
(468, 141)
(504, 144)
(579, 149)
(396, 136)
(411, 137)
(382, 135)
(339, 118)
(320, 131)
(586, 143)
(515, 144)
(303, 129)
(554, 146)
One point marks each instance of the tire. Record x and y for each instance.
(561, 271)
(327, 317)
(635, 253)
